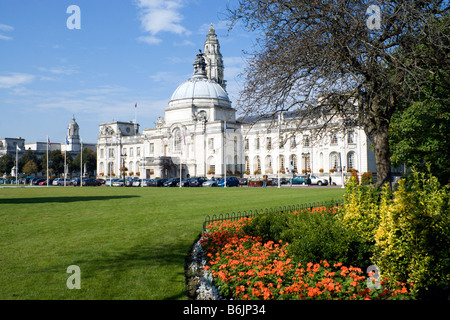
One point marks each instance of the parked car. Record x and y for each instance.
(60, 182)
(231, 182)
(44, 182)
(118, 183)
(300, 180)
(210, 183)
(319, 181)
(197, 182)
(184, 183)
(137, 183)
(146, 182)
(129, 181)
(90, 182)
(158, 182)
(243, 181)
(171, 182)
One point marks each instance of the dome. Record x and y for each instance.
(200, 87)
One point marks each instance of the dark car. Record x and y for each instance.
(184, 183)
(231, 182)
(157, 182)
(196, 182)
(300, 180)
(90, 182)
(171, 182)
(243, 181)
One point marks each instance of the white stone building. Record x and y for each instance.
(199, 135)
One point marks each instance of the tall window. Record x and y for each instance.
(293, 161)
(257, 143)
(306, 141)
(351, 160)
(257, 164)
(350, 137)
(282, 163)
(282, 142)
(211, 143)
(177, 139)
(268, 164)
(334, 139)
(247, 164)
(334, 160)
(269, 143)
(246, 144)
(293, 142)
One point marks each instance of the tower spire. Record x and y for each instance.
(213, 58)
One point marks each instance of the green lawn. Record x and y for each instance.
(130, 243)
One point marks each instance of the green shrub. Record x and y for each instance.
(313, 236)
(412, 239)
(359, 213)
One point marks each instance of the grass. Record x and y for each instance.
(130, 243)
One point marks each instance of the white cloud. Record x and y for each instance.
(149, 39)
(160, 16)
(2, 37)
(5, 28)
(15, 79)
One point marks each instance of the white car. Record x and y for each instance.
(318, 181)
(117, 183)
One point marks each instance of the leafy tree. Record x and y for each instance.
(29, 156)
(6, 164)
(89, 158)
(419, 130)
(56, 162)
(331, 49)
(30, 167)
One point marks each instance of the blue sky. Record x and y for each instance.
(126, 52)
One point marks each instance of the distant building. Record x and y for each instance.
(72, 144)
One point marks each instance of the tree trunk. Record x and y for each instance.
(379, 136)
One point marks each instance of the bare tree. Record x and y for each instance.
(359, 56)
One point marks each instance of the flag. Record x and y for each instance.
(18, 149)
(226, 129)
(135, 106)
(81, 141)
(67, 140)
(48, 142)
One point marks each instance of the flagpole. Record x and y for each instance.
(135, 117)
(17, 163)
(225, 154)
(81, 164)
(65, 165)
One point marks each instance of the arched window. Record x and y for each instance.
(247, 164)
(293, 162)
(281, 162)
(268, 164)
(334, 160)
(351, 160)
(257, 164)
(101, 167)
(177, 140)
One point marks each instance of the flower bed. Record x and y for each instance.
(245, 268)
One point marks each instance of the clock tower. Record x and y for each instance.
(213, 58)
